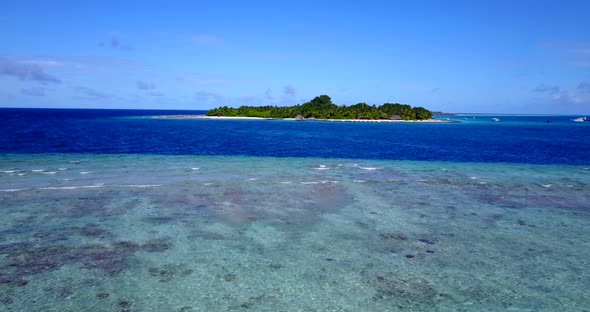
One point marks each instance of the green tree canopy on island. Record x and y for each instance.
(321, 107)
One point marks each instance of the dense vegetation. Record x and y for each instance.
(322, 107)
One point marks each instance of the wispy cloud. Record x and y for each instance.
(289, 90)
(79, 63)
(543, 88)
(206, 40)
(144, 85)
(116, 44)
(33, 91)
(584, 87)
(26, 71)
(44, 63)
(578, 98)
(90, 93)
(268, 95)
(210, 98)
(286, 98)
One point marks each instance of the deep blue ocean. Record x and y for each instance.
(119, 210)
(474, 138)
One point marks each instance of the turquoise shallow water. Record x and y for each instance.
(197, 233)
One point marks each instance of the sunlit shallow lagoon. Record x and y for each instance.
(101, 232)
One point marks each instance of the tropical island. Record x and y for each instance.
(321, 107)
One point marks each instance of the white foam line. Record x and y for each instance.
(368, 168)
(9, 171)
(13, 190)
(253, 179)
(310, 182)
(59, 188)
(86, 172)
(49, 172)
(473, 178)
(141, 185)
(21, 174)
(321, 168)
(195, 168)
(208, 183)
(71, 187)
(359, 181)
(62, 169)
(545, 185)
(38, 170)
(286, 182)
(93, 186)
(481, 182)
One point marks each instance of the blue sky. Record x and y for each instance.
(455, 56)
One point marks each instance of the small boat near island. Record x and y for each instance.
(580, 119)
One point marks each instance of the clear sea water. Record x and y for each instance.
(114, 210)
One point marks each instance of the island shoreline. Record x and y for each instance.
(204, 117)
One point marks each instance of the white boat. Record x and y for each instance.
(580, 119)
(495, 119)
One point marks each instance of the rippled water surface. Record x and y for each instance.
(117, 213)
(155, 233)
